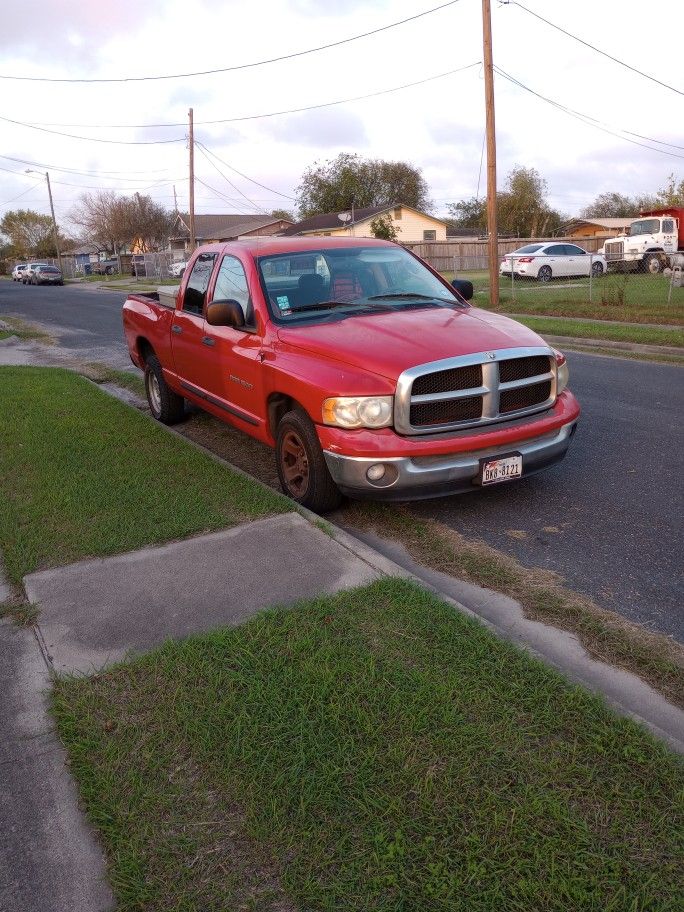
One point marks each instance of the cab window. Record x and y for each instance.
(231, 285)
(196, 289)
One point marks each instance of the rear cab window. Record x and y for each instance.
(196, 289)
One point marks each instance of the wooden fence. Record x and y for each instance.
(458, 255)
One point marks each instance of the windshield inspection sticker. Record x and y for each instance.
(283, 303)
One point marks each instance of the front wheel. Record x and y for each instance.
(544, 274)
(165, 405)
(651, 263)
(302, 471)
(597, 269)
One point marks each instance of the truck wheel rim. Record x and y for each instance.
(153, 392)
(294, 464)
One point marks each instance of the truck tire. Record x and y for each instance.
(652, 263)
(302, 471)
(165, 405)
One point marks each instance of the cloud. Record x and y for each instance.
(324, 128)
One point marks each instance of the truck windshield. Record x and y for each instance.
(311, 284)
(647, 226)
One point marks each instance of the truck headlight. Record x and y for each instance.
(562, 371)
(359, 411)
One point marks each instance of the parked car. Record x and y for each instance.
(18, 271)
(46, 275)
(28, 272)
(105, 267)
(551, 261)
(177, 269)
(363, 368)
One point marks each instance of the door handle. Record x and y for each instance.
(207, 340)
(177, 330)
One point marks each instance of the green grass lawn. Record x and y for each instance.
(82, 474)
(612, 332)
(371, 751)
(630, 298)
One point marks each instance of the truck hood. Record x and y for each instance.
(389, 343)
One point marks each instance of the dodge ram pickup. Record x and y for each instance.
(367, 372)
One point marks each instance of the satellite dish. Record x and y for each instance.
(344, 217)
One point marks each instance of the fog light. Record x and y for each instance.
(375, 472)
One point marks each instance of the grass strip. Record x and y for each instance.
(612, 332)
(27, 331)
(102, 373)
(83, 475)
(373, 750)
(622, 353)
(605, 634)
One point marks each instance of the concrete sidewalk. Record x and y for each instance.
(98, 611)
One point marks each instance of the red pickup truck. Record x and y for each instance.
(367, 371)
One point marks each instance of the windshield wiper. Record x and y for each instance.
(412, 296)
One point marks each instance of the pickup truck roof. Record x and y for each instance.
(267, 246)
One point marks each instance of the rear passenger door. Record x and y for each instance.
(233, 355)
(187, 330)
(557, 259)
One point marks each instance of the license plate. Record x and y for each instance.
(505, 468)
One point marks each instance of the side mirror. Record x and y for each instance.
(463, 287)
(225, 313)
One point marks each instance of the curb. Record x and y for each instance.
(618, 346)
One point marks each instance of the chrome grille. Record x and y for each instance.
(614, 251)
(475, 390)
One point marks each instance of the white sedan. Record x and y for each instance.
(550, 261)
(177, 269)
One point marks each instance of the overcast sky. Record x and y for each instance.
(437, 126)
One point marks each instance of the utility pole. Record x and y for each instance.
(192, 184)
(55, 230)
(492, 228)
(175, 200)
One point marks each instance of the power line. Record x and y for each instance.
(204, 152)
(116, 142)
(593, 48)
(90, 173)
(227, 199)
(325, 104)
(23, 193)
(250, 179)
(242, 66)
(584, 118)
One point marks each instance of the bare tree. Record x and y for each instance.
(102, 219)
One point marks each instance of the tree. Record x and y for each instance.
(148, 223)
(29, 233)
(383, 227)
(522, 206)
(672, 193)
(282, 214)
(112, 221)
(610, 205)
(468, 215)
(351, 181)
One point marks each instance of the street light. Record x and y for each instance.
(52, 209)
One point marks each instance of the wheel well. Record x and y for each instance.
(278, 404)
(145, 349)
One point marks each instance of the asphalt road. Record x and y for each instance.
(608, 518)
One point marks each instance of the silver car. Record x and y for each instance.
(552, 261)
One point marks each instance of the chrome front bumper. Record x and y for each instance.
(416, 478)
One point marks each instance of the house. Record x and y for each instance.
(212, 229)
(596, 227)
(412, 225)
(83, 255)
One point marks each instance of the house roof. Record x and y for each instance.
(227, 225)
(604, 222)
(332, 220)
(81, 250)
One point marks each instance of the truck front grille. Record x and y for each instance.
(475, 390)
(614, 251)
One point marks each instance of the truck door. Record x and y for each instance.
(187, 329)
(232, 355)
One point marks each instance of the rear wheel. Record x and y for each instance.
(544, 274)
(302, 470)
(165, 405)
